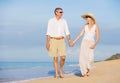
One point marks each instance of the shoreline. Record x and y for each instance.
(104, 71)
(39, 78)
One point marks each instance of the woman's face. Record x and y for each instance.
(89, 19)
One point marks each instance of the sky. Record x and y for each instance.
(23, 25)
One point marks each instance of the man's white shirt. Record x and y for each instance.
(57, 28)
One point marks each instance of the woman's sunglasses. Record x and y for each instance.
(87, 17)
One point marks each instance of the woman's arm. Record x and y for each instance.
(79, 36)
(97, 37)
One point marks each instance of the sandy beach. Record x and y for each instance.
(103, 72)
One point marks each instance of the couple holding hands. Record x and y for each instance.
(55, 44)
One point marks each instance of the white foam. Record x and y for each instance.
(35, 79)
(27, 80)
(74, 65)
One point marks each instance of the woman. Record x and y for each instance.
(89, 30)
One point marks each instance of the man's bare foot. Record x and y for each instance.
(61, 74)
(56, 77)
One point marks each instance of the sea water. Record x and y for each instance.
(19, 71)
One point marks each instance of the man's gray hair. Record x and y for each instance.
(56, 9)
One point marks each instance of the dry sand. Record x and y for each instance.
(104, 72)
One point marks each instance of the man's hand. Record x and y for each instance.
(48, 42)
(48, 46)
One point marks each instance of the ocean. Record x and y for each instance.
(20, 71)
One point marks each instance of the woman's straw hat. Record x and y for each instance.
(90, 15)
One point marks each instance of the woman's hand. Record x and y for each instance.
(92, 46)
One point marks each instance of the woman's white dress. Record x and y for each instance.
(86, 54)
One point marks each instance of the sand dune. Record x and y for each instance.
(104, 72)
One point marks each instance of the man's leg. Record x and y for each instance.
(56, 66)
(62, 60)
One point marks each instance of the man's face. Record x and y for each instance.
(59, 13)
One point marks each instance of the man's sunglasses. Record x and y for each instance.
(60, 12)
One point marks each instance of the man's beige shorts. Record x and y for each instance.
(57, 47)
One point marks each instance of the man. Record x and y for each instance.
(55, 44)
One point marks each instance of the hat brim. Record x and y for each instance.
(84, 17)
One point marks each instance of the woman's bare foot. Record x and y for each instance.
(85, 75)
(88, 73)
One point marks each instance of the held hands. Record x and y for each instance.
(71, 44)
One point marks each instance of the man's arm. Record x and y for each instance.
(48, 42)
(69, 39)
